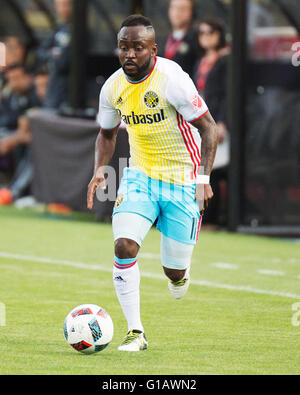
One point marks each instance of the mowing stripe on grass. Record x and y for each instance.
(202, 283)
(224, 265)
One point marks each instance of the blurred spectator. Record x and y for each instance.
(211, 78)
(182, 46)
(55, 52)
(41, 82)
(16, 53)
(12, 138)
(212, 42)
(16, 50)
(22, 93)
(18, 95)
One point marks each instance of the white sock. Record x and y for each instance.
(187, 271)
(127, 286)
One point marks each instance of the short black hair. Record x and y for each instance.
(136, 20)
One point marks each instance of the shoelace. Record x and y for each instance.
(179, 283)
(130, 337)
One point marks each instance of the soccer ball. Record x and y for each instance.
(88, 328)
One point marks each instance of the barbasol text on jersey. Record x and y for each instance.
(135, 119)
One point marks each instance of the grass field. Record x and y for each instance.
(235, 319)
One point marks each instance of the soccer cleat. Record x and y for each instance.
(134, 341)
(179, 288)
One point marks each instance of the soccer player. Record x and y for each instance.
(163, 114)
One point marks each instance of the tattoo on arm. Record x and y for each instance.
(209, 135)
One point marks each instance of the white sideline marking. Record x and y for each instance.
(203, 283)
(271, 272)
(80, 265)
(223, 265)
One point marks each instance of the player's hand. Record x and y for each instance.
(97, 181)
(204, 194)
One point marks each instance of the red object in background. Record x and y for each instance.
(293, 194)
(172, 47)
(6, 197)
(56, 208)
(274, 43)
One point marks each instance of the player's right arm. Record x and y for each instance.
(109, 120)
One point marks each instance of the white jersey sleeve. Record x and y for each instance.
(108, 117)
(183, 95)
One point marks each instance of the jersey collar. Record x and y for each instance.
(143, 79)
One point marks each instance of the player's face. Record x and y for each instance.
(137, 51)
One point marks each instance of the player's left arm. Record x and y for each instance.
(209, 134)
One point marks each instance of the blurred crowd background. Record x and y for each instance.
(58, 56)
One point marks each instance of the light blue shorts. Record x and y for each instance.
(174, 206)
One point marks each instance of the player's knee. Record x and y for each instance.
(126, 248)
(173, 274)
(176, 257)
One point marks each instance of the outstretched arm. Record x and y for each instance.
(104, 150)
(209, 135)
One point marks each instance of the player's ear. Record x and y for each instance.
(154, 49)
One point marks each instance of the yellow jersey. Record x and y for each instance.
(157, 112)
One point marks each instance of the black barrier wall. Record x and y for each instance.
(63, 160)
(271, 191)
